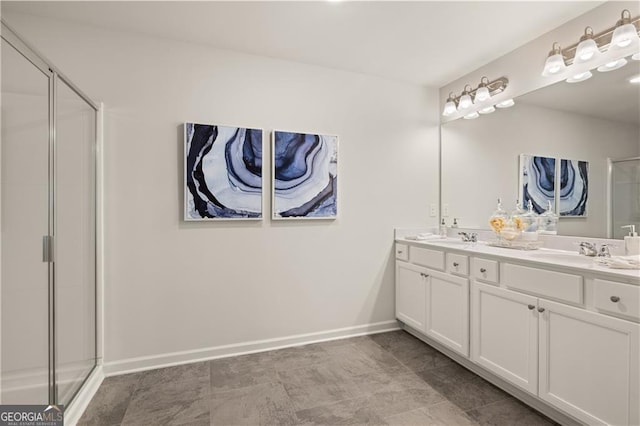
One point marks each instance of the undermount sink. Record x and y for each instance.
(574, 258)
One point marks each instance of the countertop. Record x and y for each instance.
(540, 257)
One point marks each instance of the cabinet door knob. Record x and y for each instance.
(483, 270)
(456, 264)
(531, 307)
(541, 310)
(615, 299)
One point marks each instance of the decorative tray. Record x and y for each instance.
(517, 245)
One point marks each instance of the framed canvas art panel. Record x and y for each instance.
(223, 172)
(304, 175)
(573, 188)
(537, 180)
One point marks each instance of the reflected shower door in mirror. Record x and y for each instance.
(625, 196)
(591, 121)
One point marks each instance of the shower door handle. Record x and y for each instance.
(47, 248)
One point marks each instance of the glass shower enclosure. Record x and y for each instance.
(47, 230)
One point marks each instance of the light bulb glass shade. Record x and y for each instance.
(579, 77)
(635, 79)
(449, 108)
(623, 36)
(613, 65)
(587, 50)
(482, 94)
(487, 110)
(554, 65)
(465, 102)
(636, 56)
(506, 104)
(471, 116)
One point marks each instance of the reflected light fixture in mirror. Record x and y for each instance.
(506, 104)
(471, 116)
(605, 51)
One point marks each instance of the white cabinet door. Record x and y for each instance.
(410, 294)
(447, 319)
(505, 334)
(589, 364)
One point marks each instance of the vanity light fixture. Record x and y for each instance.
(587, 49)
(555, 61)
(471, 116)
(449, 106)
(487, 110)
(480, 95)
(635, 79)
(581, 77)
(625, 32)
(604, 51)
(506, 104)
(465, 101)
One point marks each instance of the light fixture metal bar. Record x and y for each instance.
(495, 86)
(602, 39)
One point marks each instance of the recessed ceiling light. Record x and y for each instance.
(635, 79)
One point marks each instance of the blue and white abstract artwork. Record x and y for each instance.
(537, 181)
(305, 176)
(223, 172)
(573, 188)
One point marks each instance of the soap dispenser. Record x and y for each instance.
(548, 221)
(530, 223)
(443, 229)
(631, 242)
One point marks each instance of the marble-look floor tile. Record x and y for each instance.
(368, 356)
(348, 412)
(174, 403)
(509, 412)
(442, 414)
(180, 373)
(110, 402)
(405, 393)
(462, 387)
(241, 371)
(262, 404)
(296, 357)
(318, 384)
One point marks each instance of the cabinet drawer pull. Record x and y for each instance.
(541, 310)
(423, 275)
(456, 264)
(615, 299)
(483, 270)
(531, 307)
(399, 251)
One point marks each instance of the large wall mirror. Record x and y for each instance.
(597, 121)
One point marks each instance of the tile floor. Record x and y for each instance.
(383, 379)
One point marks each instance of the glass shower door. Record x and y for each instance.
(24, 153)
(625, 196)
(75, 262)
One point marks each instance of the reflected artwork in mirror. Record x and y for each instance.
(579, 128)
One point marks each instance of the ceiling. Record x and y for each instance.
(421, 42)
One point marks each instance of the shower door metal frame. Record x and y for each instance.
(54, 75)
(610, 162)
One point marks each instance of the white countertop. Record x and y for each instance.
(540, 257)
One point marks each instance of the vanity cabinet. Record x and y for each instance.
(432, 301)
(568, 337)
(589, 364)
(504, 334)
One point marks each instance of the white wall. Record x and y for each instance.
(174, 286)
(480, 160)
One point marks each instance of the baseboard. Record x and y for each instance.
(74, 411)
(132, 365)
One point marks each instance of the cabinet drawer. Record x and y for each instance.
(485, 270)
(458, 264)
(402, 251)
(552, 284)
(425, 257)
(617, 298)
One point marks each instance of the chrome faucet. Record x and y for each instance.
(471, 237)
(589, 249)
(604, 251)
